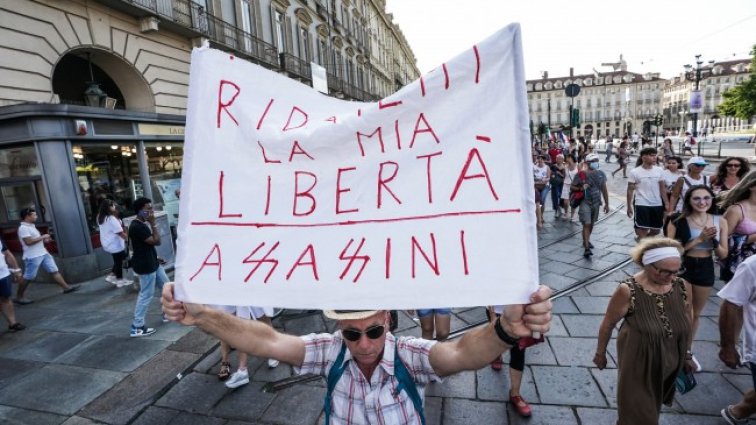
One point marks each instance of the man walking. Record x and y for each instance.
(36, 255)
(372, 376)
(738, 307)
(647, 195)
(144, 236)
(609, 148)
(593, 184)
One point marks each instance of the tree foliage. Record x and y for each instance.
(740, 101)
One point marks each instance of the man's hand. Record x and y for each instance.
(600, 360)
(730, 357)
(629, 210)
(606, 208)
(522, 320)
(177, 311)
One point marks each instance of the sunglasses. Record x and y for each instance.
(733, 165)
(668, 273)
(701, 198)
(373, 332)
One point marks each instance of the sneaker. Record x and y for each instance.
(239, 378)
(16, 327)
(520, 406)
(273, 363)
(165, 318)
(695, 362)
(730, 418)
(72, 288)
(111, 279)
(123, 282)
(143, 331)
(23, 301)
(587, 253)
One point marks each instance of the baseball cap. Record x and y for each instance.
(697, 160)
(591, 157)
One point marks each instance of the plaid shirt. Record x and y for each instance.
(355, 401)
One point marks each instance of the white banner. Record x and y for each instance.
(696, 101)
(294, 199)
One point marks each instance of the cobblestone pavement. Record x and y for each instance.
(76, 364)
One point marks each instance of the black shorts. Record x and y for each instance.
(5, 287)
(649, 217)
(698, 271)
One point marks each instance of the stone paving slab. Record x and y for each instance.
(607, 381)
(576, 351)
(195, 393)
(582, 325)
(545, 415)
(460, 385)
(12, 370)
(156, 415)
(591, 305)
(296, 406)
(41, 346)
(567, 386)
(465, 412)
(140, 389)
(59, 389)
(247, 403)
(15, 416)
(710, 395)
(117, 354)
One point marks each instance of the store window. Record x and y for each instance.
(165, 162)
(107, 172)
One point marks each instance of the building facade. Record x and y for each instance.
(716, 78)
(93, 95)
(610, 103)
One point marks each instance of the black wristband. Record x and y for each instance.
(503, 335)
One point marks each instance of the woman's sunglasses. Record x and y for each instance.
(373, 332)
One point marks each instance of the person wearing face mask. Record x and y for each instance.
(144, 237)
(593, 183)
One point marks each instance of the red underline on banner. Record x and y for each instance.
(355, 222)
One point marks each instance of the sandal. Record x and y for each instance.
(522, 408)
(16, 327)
(225, 371)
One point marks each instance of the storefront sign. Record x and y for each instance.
(19, 162)
(295, 199)
(160, 130)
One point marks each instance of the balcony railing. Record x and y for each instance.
(296, 67)
(190, 15)
(335, 84)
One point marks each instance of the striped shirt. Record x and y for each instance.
(356, 401)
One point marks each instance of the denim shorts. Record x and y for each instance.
(31, 266)
(5, 287)
(428, 312)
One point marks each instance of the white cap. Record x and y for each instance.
(697, 160)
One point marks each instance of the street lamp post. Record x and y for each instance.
(695, 75)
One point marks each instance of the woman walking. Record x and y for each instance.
(740, 214)
(570, 171)
(700, 232)
(557, 183)
(694, 177)
(541, 178)
(622, 158)
(667, 149)
(113, 240)
(655, 334)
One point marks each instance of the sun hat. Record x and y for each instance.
(349, 314)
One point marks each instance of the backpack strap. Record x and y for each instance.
(337, 369)
(407, 383)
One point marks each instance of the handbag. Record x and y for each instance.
(738, 250)
(685, 381)
(577, 196)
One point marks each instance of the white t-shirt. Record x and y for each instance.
(4, 270)
(540, 174)
(109, 238)
(647, 185)
(670, 178)
(29, 230)
(741, 291)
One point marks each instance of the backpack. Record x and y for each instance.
(577, 196)
(400, 372)
(692, 141)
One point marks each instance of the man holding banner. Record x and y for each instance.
(369, 388)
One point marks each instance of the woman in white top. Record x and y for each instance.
(694, 177)
(541, 177)
(113, 240)
(672, 173)
(570, 171)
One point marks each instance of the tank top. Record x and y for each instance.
(746, 225)
(708, 245)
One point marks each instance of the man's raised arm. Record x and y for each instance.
(481, 345)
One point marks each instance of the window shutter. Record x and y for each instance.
(288, 37)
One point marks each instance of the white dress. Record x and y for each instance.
(568, 176)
